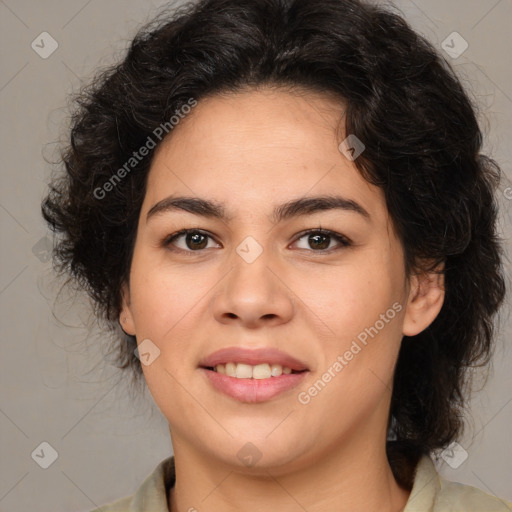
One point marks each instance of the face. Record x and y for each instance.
(304, 300)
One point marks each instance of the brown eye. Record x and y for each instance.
(319, 240)
(187, 240)
(196, 241)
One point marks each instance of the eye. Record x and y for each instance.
(320, 240)
(194, 240)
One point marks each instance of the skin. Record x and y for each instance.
(251, 151)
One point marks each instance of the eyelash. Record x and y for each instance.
(342, 240)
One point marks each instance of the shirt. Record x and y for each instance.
(430, 493)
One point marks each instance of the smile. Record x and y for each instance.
(247, 371)
(252, 375)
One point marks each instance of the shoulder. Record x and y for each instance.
(152, 493)
(122, 505)
(466, 498)
(433, 493)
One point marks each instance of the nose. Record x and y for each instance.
(253, 295)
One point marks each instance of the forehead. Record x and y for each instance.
(259, 148)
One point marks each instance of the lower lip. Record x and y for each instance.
(253, 390)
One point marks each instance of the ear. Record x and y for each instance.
(426, 298)
(126, 316)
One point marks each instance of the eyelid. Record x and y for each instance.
(167, 241)
(342, 240)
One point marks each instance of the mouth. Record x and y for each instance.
(247, 371)
(252, 375)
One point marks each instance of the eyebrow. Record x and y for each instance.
(290, 209)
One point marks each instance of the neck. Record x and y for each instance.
(354, 477)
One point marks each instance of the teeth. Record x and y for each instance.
(276, 370)
(246, 371)
(261, 371)
(243, 371)
(231, 369)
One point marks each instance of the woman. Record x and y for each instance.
(284, 205)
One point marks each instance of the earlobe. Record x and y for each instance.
(126, 317)
(426, 298)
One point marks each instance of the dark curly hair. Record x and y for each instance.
(423, 148)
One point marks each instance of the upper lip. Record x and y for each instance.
(253, 357)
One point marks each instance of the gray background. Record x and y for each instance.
(55, 385)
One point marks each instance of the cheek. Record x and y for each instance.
(359, 359)
(165, 305)
(361, 304)
(163, 296)
(349, 298)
